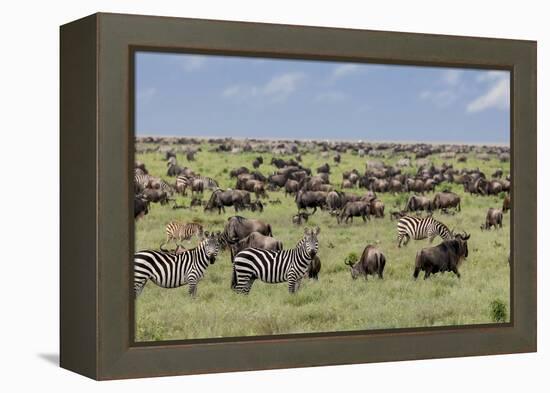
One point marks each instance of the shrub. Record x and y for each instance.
(498, 311)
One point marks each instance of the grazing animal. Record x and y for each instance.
(172, 270)
(372, 262)
(446, 199)
(257, 240)
(396, 215)
(314, 199)
(180, 231)
(445, 257)
(275, 266)
(314, 268)
(354, 209)
(409, 227)
(506, 204)
(141, 207)
(237, 228)
(300, 218)
(239, 199)
(419, 203)
(493, 219)
(377, 208)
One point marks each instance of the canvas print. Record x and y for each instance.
(285, 196)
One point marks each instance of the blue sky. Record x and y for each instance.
(195, 95)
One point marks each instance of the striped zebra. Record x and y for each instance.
(179, 231)
(172, 269)
(196, 183)
(417, 228)
(275, 266)
(141, 181)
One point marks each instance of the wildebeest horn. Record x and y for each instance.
(466, 236)
(349, 263)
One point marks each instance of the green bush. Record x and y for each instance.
(498, 311)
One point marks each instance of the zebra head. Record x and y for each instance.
(310, 242)
(211, 245)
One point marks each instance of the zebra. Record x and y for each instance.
(179, 231)
(275, 266)
(417, 228)
(141, 181)
(172, 269)
(197, 183)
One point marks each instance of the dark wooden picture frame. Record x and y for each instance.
(96, 196)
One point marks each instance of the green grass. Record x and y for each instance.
(335, 302)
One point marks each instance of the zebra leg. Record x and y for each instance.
(407, 238)
(193, 289)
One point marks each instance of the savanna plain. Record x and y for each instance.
(334, 302)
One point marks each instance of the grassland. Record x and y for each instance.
(335, 302)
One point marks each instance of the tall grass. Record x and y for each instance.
(335, 302)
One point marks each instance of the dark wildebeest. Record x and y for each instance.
(238, 171)
(155, 195)
(498, 173)
(190, 155)
(493, 219)
(277, 180)
(337, 158)
(314, 268)
(372, 262)
(257, 240)
(300, 218)
(354, 209)
(377, 208)
(335, 200)
(419, 203)
(237, 228)
(445, 257)
(397, 214)
(239, 199)
(314, 199)
(257, 162)
(325, 168)
(446, 199)
(291, 187)
(415, 185)
(506, 204)
(141, 207)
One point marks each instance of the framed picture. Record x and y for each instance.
(243, 196)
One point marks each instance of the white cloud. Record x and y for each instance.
(451, 77)
(344, 70)
(496, 96)
(330, 96)
(193, 62)
(277, 88)
(146, 94)
(440, 98)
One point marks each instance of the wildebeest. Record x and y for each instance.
(238, 171)
(498, 173)
(257, 162)
(155, 195)
(354, 209)
(257, 240)
(314, 268)
(493, 219)
(314, 199)
(417, 203)
(446, 199)
(506, 204)
(239, 199)
(445, 257)
(237, 228)
(325, 168)
(291, 187)
(141, 207)
(377, 208)
(300, 218)
(372, 262)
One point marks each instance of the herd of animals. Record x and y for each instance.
(254, 251)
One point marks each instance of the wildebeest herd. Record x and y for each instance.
(418, 188)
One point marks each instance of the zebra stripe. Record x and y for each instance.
(184, 181)
(172, 270)
(274, 266)
(179, 231)
(409, 227)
